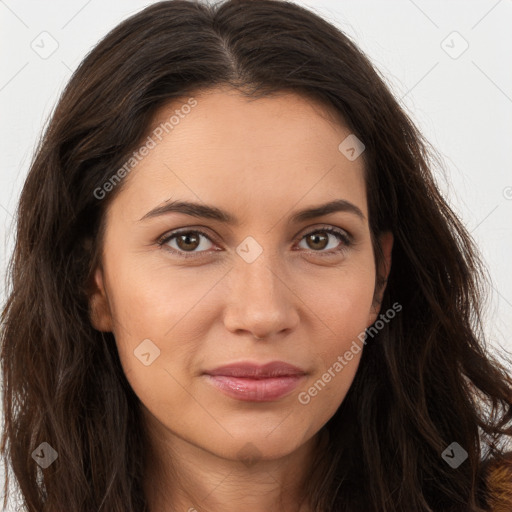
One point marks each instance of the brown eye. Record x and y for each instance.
(190, 243)
(319, 240)
(184, 242)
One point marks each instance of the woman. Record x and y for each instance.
(236, 286)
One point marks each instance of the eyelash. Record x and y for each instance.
(341, 235)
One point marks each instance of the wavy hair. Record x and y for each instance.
(426, 379)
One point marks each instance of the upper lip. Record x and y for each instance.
(255, 371)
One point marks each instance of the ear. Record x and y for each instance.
(385, 242)
(99, 308)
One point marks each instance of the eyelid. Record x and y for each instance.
(174, 232)
(342, 234)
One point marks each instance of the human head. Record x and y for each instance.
(176, 50)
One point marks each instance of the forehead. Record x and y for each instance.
(245, 154)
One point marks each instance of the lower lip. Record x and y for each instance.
(255, 390)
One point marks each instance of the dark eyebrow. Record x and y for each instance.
(339, 205)
(211, 212)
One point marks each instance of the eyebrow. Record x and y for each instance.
(211, 212)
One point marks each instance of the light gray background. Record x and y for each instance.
(461, 100)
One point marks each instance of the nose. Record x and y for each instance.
(260, 301)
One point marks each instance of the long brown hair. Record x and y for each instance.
(426, 379)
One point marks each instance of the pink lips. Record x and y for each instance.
(256, 383)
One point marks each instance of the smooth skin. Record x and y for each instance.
(307, 297)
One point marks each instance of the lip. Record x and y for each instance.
(254, 382)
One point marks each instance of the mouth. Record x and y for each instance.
(256, 383)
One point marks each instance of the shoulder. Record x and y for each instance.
(498, 477)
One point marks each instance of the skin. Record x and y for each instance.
(261, 161)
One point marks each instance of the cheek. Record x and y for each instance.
(342, 300)
(162, 315)
(343, 312)
(337, 353)
(158, 300)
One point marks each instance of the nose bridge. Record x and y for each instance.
(260, 301)
(259, 277)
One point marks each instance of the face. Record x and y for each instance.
(186, 294)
